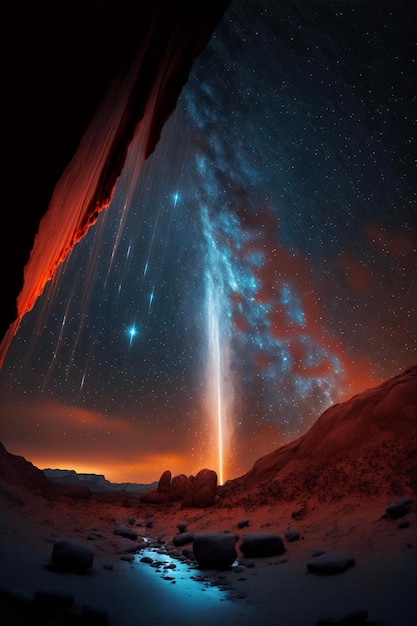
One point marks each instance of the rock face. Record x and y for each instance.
(173, 34)
(199, 491)
(214, 550)
(71, 556)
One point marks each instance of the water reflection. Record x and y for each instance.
(191, 582)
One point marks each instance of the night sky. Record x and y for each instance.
(262, 262)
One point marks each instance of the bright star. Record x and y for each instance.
(132, 331)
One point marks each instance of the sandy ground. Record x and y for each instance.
(265, 591)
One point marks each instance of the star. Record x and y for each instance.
(132, 332)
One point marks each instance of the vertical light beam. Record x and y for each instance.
(215, 375)
(219, 391)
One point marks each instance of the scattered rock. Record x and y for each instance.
(146, 559)
(183, 538)
(330, 564)
(262, 544)
(243, 523)
(126, 546)
(69, 555)
(182, 527)
(292, 535)
(126, 532)
(300, 513)
(399, 508)
(214, 550)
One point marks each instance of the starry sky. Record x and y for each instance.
(259, 267)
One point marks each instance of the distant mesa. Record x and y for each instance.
(95, 482)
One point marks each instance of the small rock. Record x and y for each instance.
(146, 559)
(292, 535)
(124, 531)
(243, 523)
(399, 508)
(182, 527)
(330, 564)
(183, 538)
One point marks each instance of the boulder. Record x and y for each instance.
(164, 484)
(262, 544)
(214, 550)
(69, 555)
(178, 488)
(204, 488)
(330, 564)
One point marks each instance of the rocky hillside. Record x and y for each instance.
(368, 442)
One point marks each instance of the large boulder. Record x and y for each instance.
(69, 555)
(159, 494)
(262, 544)
(204, 489)
(214, 550)
(199, 491)
(164, 484)
(178, 488)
